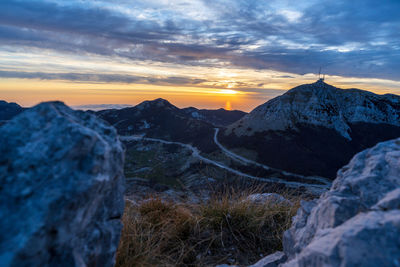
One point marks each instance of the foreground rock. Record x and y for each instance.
(61, 194)
(356, 223)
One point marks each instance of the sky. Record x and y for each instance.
(235, 54)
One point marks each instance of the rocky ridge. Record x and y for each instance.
(315, 129)
(160, 119)
(320, 104)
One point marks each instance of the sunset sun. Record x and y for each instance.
(228, 92)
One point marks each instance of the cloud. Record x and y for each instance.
(97, 107)
(101, 78)
(349, 38)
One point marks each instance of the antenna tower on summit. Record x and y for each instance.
(319, 75)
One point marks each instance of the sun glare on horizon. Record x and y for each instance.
(228, 105)
(228, 92)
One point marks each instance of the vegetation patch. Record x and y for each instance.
(227, 228)
(158, 163)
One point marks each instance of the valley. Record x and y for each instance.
(314, 185)
(296, 141)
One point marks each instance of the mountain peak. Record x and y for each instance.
(159, 103)
(316, 86)
(5, 103)
(9, 109)
(320, 81)
(321, 104)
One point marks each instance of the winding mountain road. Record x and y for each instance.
(246, 161)
(315, 188)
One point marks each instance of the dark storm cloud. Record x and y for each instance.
(358, 38)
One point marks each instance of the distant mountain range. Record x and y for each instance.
(219, 117)
(157, 118)
(98, 107)
(161, 119)
(316, 128)
(313, 129)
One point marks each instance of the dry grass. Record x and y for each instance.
(226, 229)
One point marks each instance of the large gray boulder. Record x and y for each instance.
(357, 222)
(61, 189)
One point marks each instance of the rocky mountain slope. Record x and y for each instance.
(62, 189)
(161, 119)
(320, 104)
(314, 129)
(356, 223)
